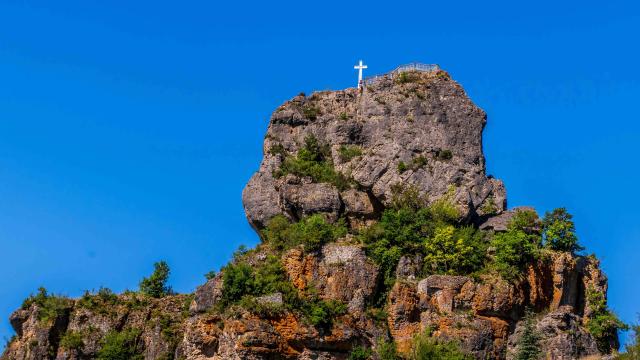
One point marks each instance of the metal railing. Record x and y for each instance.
(402, 68)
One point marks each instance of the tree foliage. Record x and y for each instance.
(314, 160)
(427, 347)
(559, 231)
(602, 323)
(121, 345)
(156, 284)
(312, 232)
(528, 345)
(50, 306)
(632, 349)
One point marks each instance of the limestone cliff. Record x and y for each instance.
(322, 295)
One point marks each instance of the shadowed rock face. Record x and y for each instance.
(429, 124)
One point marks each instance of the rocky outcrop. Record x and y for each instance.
(429, 124)
(425, 134)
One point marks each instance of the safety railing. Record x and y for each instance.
(402, 68)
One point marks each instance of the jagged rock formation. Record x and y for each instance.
(431, 119)
(425, 133)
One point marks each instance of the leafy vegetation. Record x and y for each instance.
(121, 345)
(72, 340)
(101, 302)
(156, 284)
(360, 353)
(311, 112)
(410, 227)
(603, 324)
(559, 231)
(426, 347)
(348, 152)
(313, 160)
(386, 350)
(452, 250)
(50, 307)
(416, 163)
(516, 247)
(528, 345)
(278, 149)
(312, 232)
(444, 155)
(406, 77)
(242, 283)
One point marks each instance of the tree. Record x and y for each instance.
(156, 284)
(559, 231)
(529, 343)
(426, 347)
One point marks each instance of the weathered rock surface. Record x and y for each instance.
(430, 119)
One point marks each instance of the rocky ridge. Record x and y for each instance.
(418, 130)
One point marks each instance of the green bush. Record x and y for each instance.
(444, 155)
(121, 346)
(311, 112)
(426, 347)
(348, 152)
(278, 149)
(405, 228)
(101, 302)
(344, 116)
(210, 275)
(156, 284)
(402, 167)
(513, 250)
(312, 232)
(50, 307)
(417, 162)
(386, 350)
(602, 324)
(313, 160)
(406, 77)
(360, 353)
(72, 340)
(452, 250)
(525, 220)
(559, 231)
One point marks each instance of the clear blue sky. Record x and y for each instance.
(129, 128)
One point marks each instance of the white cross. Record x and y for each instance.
(359, 67)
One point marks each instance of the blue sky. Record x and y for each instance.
(128, 129)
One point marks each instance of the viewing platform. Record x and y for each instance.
(402, 68)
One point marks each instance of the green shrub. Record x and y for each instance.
(278, 149)
(344, 116)
(348, 152)
(402, 167)
(311, 112)
(406, 77)
(101, 302)
(452, 250)
(321, 313)
(50, 307)
(210, 275)
(313, 160)
(426, 347)
(360, 353)
(602, 324)
(513, 250)
(404, 228)
(156, 284)
(121, 346)
(525, 220)
(444, 155)
(72, 340)
(559, 231)
(417, 162)
(312, 232)
(528, 345)
(386, 350)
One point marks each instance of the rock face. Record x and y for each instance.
(423, 133)
(430, 125)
